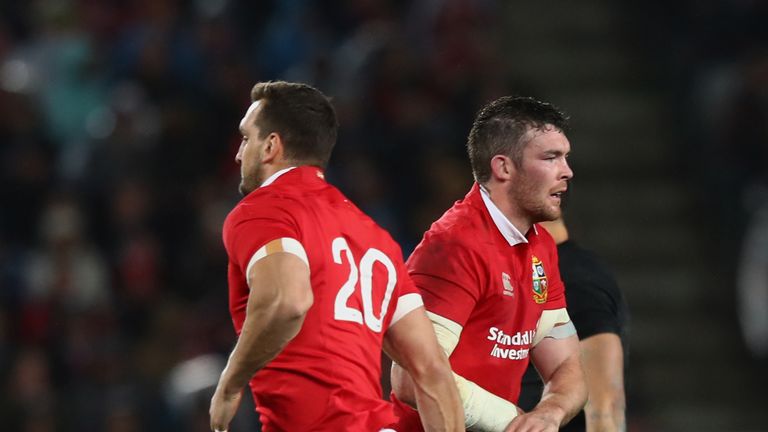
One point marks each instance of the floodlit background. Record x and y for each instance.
(118, 130)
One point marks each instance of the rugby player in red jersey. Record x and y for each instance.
(316, 288)
(489, 276)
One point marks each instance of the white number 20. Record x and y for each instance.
(364, 272)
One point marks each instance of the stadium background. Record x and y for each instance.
(118, 129)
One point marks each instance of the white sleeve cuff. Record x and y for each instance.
(405, 304)
(285, 244)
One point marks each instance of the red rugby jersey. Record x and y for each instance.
(328, 376)
(495, 287)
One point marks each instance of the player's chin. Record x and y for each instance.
(245, 188)
(554, 204)
(551, 212)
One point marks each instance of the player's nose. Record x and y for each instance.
(239, 154)
(567, 173)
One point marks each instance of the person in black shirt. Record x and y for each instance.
(600, 314)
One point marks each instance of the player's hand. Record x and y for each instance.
(223, 409)
(533, 422)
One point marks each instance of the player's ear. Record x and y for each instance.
(273, 148)
(502, 167)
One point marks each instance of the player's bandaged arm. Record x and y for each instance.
(280, 296)
(483, 410)
(411, 343)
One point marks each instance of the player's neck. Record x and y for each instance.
(501, 199)
(272, 169)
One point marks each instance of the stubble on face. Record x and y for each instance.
(250, 181)
(532, 200)
(531, 189)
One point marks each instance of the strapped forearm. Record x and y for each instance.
(483, 410)
(410, 343)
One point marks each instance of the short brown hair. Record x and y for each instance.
(499, 128)
(302, 115)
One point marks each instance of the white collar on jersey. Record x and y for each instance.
(509, 231)
(274, 176)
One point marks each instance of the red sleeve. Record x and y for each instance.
(406, 282)
(251, 227)
(556, 294)
(446, 272)
(407, 296)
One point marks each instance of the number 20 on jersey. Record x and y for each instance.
(362, 272)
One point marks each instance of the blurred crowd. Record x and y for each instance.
(712, 57)
(729, 97)
(118, 130)
(719, 61)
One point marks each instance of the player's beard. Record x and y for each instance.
(250, 181)
(534, 201)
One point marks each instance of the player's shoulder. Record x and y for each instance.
(266, 200)
(461, 224)
(580, 254)
(339, 214)
(450, 239)
(457, 238)
(573, 254)
(585, 264)
(263, 204)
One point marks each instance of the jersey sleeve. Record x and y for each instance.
(409, 297)
(596, 304)
(447, 274)
(252, 227)
(556, 298)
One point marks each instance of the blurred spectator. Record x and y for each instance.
(752, 283)
(67, 269)
(729, 97)
(717, 55)
(29, 401)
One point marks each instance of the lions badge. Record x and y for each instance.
(539, 281)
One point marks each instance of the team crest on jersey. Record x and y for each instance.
(506, 282)
(539, 281)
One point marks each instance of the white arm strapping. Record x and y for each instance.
(447, 332)
(405, 304)
(483, 410)
(285, 244)
(554, 324)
